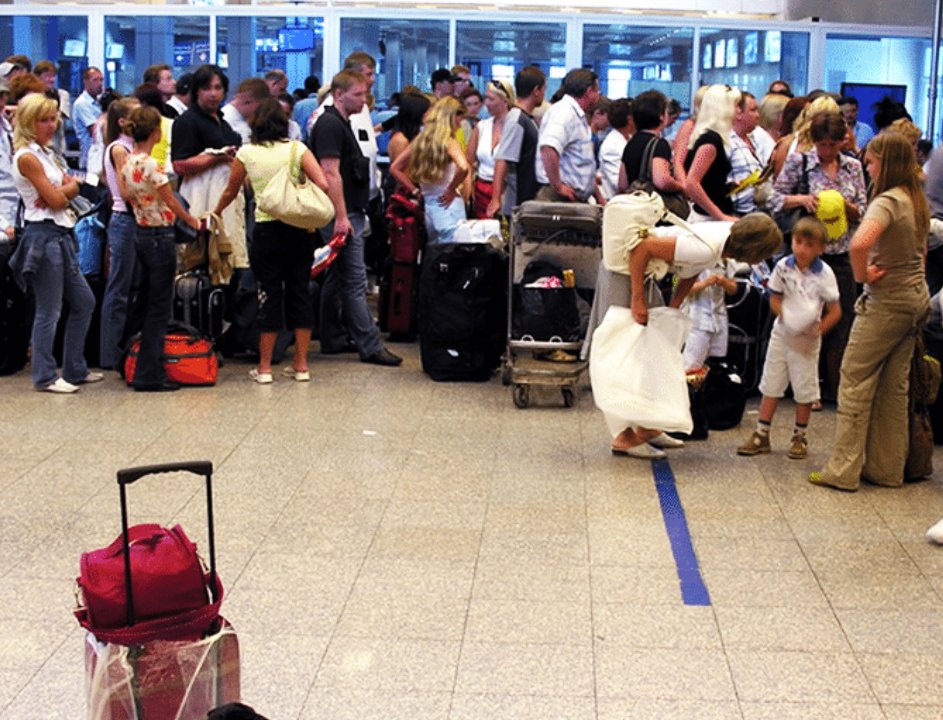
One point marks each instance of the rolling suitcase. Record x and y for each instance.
(749, 321)
(16, 318)
(399, 283)
(155, 649)
(198, 304)
(462, 311)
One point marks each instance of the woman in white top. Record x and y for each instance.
(435, 165)
(280, 255)
(499, 99)
(45, 258)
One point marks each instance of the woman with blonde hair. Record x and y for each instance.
(887, 254)
(435, 166)
(707, 165)
(45, 257)
(499, 99)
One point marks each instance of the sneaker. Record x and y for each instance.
(758, 444)
(262, 378)
(798, 448)
(296, 375)
(92, 377)
(61, 387)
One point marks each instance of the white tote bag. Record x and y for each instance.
(637, 371)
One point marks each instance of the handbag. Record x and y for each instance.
(167, 579)
(299, 203)
(786, 219)
(675, 202)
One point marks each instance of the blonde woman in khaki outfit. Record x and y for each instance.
(887, 254)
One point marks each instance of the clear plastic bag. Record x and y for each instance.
(637, 371)
(170, 680)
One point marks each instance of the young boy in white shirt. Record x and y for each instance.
(800, 286)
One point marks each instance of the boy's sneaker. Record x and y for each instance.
(758, 444)
(798, 448)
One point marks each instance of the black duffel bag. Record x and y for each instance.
(545, 314)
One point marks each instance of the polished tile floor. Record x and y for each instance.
(398, 548)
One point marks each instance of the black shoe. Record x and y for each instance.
(165, 386)
(349, 347)
(383, 357)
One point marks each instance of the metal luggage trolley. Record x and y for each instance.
(570, 236)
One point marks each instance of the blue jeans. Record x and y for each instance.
(121, 272)
(344, 296)
(158, 256)
(57, 278)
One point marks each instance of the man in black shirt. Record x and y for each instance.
(348, 176)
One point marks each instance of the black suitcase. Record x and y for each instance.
(750, 321)
(198, 304)
(16, 318)
(462, 311)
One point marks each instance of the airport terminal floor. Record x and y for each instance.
(398, 548)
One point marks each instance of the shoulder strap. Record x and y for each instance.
(645, 174)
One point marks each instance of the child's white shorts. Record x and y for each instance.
(785, 365)
(701, 344)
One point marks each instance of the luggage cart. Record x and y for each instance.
(570, 236)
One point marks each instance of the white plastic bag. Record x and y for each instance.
(637, 371)
(478, 231)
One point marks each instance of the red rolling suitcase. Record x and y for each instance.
(171, 656)
(399, 289)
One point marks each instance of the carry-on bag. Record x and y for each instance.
(197, 302)
(189, 357)
(399, 284)
(157, 646)
(16, 317)
(749, 323)
(462, 311)
(544, 308)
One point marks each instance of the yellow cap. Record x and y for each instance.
(832, 213)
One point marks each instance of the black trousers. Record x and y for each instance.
(158, 257)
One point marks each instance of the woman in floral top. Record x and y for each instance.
(148, 190)
(827, 168)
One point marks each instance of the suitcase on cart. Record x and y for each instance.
(144, 660)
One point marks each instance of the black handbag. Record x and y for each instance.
(675, 202)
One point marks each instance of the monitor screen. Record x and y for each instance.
(772, 48)
(751, 42)
(73, 48)
(868, 94)
(720, 53)
(300, 37)
(707, 62)
(114, 51)
(732, 53)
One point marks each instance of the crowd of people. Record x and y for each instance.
(850, 276)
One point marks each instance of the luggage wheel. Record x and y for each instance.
(521, 396)
(569, 397)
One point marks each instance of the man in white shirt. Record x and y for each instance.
(249, 95)
(742, 153)
(9, 198)
(613, 145)
(566, 164)
(85, 111)
(181, 97)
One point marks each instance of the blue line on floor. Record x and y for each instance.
(693, 590)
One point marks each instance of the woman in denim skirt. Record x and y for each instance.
(45, 258)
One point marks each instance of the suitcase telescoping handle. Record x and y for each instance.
(130, 475)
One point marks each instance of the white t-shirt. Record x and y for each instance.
(237, 122)
(54, 173)
(610, 162)
(695, 253)
(804, 293)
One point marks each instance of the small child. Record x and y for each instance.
(707, 307)
(801, 284)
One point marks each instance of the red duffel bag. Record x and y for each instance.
(189, 357)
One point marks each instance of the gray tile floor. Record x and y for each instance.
(398, 548)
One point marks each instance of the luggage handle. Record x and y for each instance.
(131, 475)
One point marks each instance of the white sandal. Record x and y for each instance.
(260, 377)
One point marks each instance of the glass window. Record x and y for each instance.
(251, 46)
(630, 60)
(64, 40)
(407, 51)
(899, 67)
(752, 59)
(133, 43)
(499, 51)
